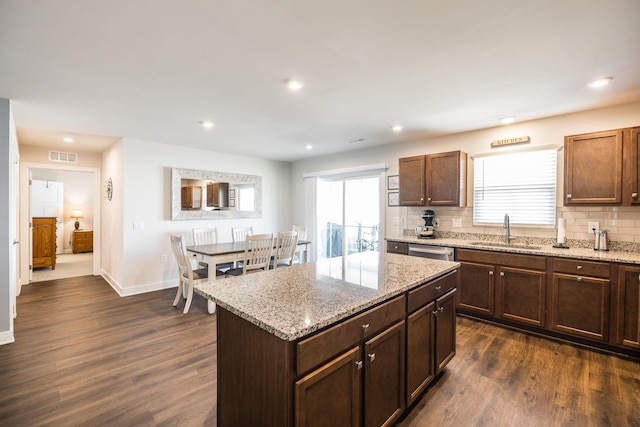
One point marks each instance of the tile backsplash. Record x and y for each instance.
(621, 223)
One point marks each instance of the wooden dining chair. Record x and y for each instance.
(302, 235)
(257, 254)
(239, 234)
(187, 275)
(286, 244)
(208, 236)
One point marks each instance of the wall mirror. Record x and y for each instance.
(197, 194)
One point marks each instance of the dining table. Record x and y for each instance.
(221, 253)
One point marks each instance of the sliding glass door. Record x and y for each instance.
(348, 215)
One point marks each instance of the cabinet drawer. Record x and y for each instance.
(582, 268)
(430, 291)
(316, 349)
(534, 262)
(398, 248)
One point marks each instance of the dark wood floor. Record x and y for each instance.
(85, 357)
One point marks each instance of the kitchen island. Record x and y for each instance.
(326, 342)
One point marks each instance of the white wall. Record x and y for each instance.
(141, 173)
(7, 228)
(542, 132)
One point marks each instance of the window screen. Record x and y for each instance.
(522, 184)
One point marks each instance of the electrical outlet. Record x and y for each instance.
(593, 225)
(163, 258)
(456, 223)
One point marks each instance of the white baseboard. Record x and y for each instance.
(138, 289)
(6, 337)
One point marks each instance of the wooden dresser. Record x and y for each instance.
(44, 242)
(82, 241)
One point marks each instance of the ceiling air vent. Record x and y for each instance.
(59, 156)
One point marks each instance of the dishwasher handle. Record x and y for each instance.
(446, 253)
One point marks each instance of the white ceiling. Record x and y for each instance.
(151, 70)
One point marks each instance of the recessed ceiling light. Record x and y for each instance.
(507, 120)
(207, 124)
(68, 139)
(308, 146)
(293, 84)
(397, 128)
(603, 81)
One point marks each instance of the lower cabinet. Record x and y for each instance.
(628, 305)
(504, 286)
(580, 298)
(431, 333)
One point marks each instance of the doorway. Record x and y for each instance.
(82, 185)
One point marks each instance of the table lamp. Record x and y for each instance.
(77, 213)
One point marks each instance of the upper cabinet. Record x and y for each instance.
(602, 168)
(593, 168)
(631, 184)
(433, 180)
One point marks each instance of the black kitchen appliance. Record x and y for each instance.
(427, 231)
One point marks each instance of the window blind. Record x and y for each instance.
(522, 184)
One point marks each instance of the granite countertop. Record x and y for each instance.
(527, 246)
(294, 301)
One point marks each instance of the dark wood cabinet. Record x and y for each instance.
(433, 180)
(446, 179)
(411, 173)
(521, 295)
(191, 197)
(431, 332)
(44, 242)
(580, 298)
(631, 184)
(628, 306)
(384, 377)
(398, 248)
(503, 286)
(332, 394)
(82, 241)
(593, 168)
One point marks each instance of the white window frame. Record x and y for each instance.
(509, 183)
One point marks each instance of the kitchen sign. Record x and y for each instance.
(510, 141)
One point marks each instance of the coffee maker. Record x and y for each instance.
(427, 231)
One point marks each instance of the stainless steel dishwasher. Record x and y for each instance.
(429, 251)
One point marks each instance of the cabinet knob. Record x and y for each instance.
(634, 195)
(359, 364)
(579, 267)
(568, 196)
(441, 309)
(365, 327)
(491, 273)
(435, 312)
(579, 279)
(438, 288)
(501, 274)
(372, 357)
(429, 199)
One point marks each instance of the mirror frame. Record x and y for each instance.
(178, 174)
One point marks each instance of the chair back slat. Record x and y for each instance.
(205, 236)
(257, 252)
(286, 244)
(239, 234)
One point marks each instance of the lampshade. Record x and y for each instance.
(77, 213)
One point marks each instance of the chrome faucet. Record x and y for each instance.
(507, 236)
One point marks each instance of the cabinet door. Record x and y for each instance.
(632, 177)
(593, 168)
(420, 343)
(411, 173)
(580, 306)
(521, 295)
(445, 337)
(384, 377)
(444, 179)
(331, 395)
(628, 326)
(476, 288)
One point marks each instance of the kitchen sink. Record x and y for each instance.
(506, 245)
